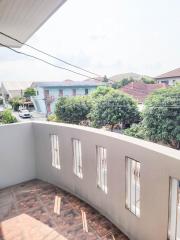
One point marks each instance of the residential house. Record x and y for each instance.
(49, 92)
(10, 89)
(140, 91)
(169, 78)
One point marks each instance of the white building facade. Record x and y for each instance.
(169, 78)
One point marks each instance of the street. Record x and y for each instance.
(35, 117)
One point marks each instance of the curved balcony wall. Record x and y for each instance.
(30, 156)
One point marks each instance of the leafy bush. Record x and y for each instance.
(136, 130)
(52, 118)
(73, 109)
(148, 80)
(114, 108)
(122, 83)
(162, 116)
(7, 117)
(15, 103)
(101, 91)
(29, 92)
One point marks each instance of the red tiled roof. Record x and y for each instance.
(173, 73)
(140, 90)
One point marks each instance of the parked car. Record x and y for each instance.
(1, 109)
(25, 113)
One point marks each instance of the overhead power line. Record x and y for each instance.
(51, 64)
(48, 54)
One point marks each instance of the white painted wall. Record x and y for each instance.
(17, 158)
(25, 152)
(171, 81)
(158, 163)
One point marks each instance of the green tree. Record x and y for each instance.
(121, 83)
(73, 109)
(29, 92)
(52, 118)
(15, 103)
(114, 108)
(137, 131)
(101, 91)
(105, 79)
(162, 116)
(7, 117)
(148, 80)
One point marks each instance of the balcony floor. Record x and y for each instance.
(60, 215)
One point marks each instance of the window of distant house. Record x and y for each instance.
(74, 92)
(101, 155)
(133, 186)
(55, 151)
(174, 210)
(77, 158)
(86, 91)
(61, 93)
(46, 92)
(165, 81)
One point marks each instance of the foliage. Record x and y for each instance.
(162, 116)
(114, 108)
(73, 109)
(122, 83)
(105, 79)
(7, 117)
(101, 91)
(148, 80)
(136, 130)
(15, 103)
(29, 92)
(52, 118)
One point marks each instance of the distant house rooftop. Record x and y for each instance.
(20, 85)
(13, 88)
(170, 74)
(140, 90)
(68, 83)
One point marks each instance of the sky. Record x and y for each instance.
(107, 37)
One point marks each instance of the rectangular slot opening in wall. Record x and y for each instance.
(133, 186)
(174, 210)
(101, 155)
(55, 151)
(77, 158)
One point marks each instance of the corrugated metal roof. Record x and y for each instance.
(10, 85)
(21, 18)
(68, 83)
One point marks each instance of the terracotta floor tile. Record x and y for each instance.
(24, 205)
(89, 211)
(115, 236)
(101, 225)
(30, 212)
(6, 198)
(76, 232)
(42, 215)
(7, 211)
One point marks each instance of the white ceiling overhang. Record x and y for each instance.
(22, 18)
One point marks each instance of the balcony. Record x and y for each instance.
(36, 209)
(44, 195)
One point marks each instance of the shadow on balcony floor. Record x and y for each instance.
(60, 215)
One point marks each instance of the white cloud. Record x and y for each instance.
(107, 37)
